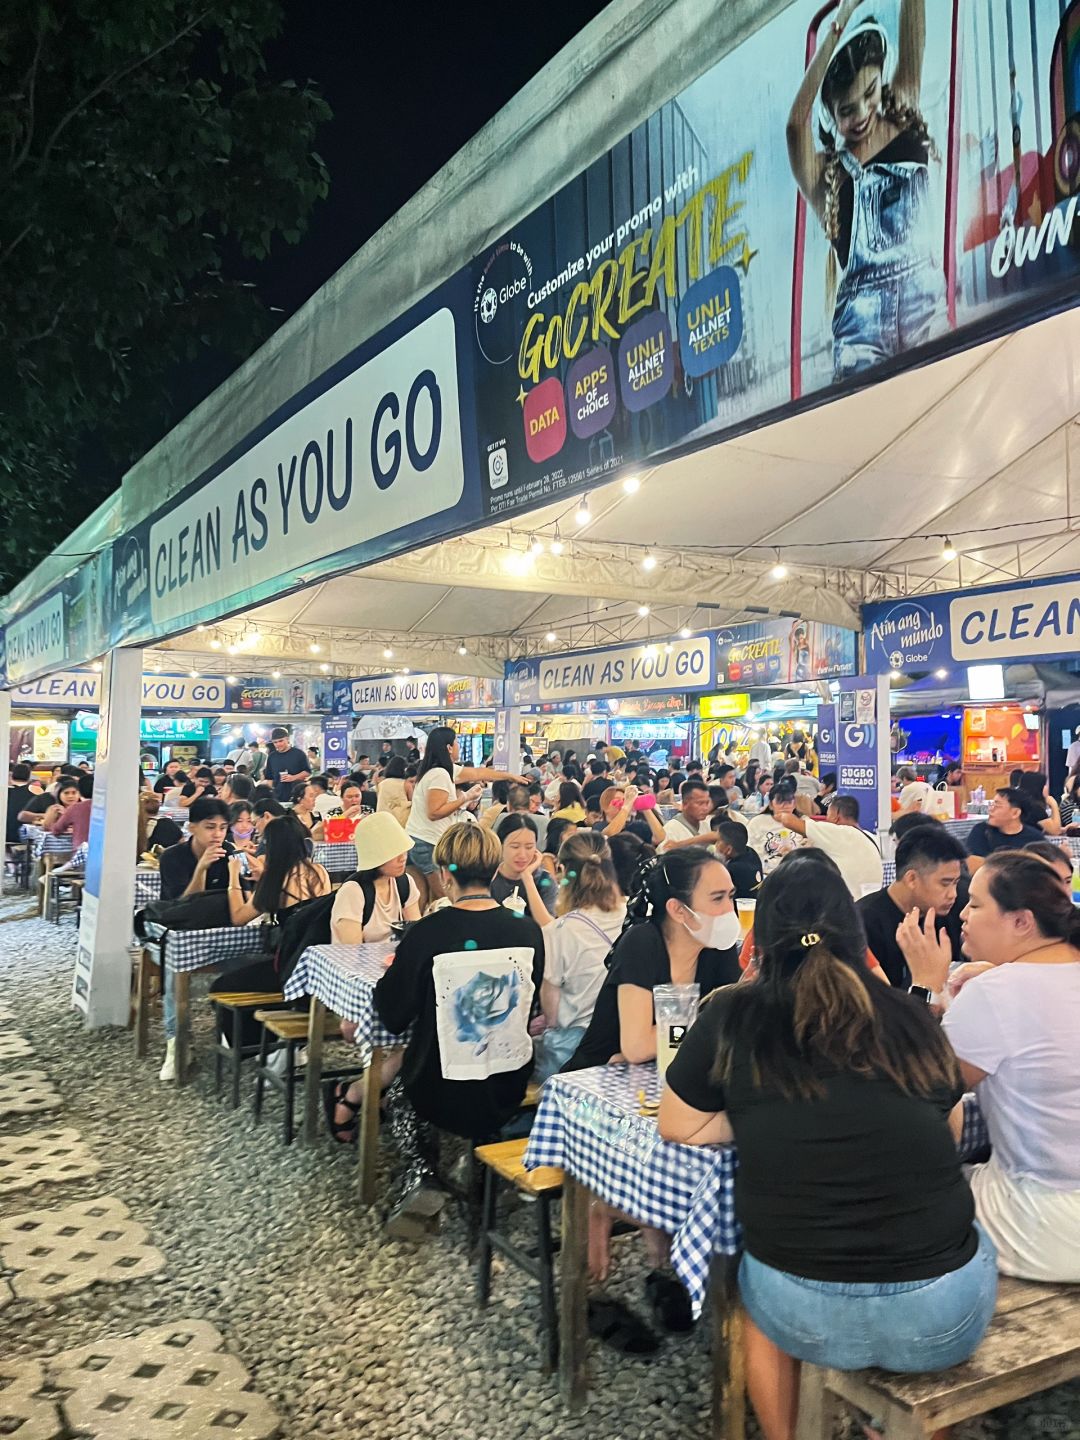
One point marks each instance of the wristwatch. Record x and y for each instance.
(921, 993)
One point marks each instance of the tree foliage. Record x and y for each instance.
(146, 158)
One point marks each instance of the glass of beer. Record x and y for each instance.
(676, 1008)
(746, 909)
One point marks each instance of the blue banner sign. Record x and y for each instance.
(1031, 620)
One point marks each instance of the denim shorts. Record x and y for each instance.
(918, 1325)
(422, 855)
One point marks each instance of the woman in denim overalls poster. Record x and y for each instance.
(861, 153)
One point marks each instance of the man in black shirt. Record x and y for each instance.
(598, 783)
(286, 763)
(170, 777)
(929, 867)
(1003, 828)
(20, 799)
(199, 862)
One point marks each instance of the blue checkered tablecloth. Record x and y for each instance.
(338, 859)
(1072, 842)
(201, 949)
(147, 886)
(344, 977)
(588, 1123)
(976, 1138)
(962, 828)
(45, 844)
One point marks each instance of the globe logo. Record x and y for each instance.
(489, 303)
(896, 660)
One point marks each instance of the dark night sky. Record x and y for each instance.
(409, 84)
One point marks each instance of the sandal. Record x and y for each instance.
(669, 1302)
(611, 1322)
(335, 1093)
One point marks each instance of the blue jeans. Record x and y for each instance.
(916, 1326)
(168, 991)
(422, 855)
(553, 1049)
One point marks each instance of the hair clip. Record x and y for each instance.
(811, 938)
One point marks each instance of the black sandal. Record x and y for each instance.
(611, 1322)
(335, 1093)
(669, 1302)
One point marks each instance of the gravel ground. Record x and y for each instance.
(344, 1331)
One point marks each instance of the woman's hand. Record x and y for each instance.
(928, 952)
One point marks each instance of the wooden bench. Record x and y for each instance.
(238, 1004)
(1033, 1343)
(288, 1029)
(505, 1161)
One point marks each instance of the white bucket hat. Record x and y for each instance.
(822, 114)
(379, 838)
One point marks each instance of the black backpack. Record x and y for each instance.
(308, 923)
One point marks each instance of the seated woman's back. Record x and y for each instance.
(838, 1090)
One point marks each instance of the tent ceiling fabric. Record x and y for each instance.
(978, 440)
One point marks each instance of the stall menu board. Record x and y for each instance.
(997, 735)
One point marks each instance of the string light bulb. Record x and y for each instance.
(948, 549)
(551, 637)
(463, 649)
(557, 546)
(643, 610)
(215, 644)
(649, 562)
(536, 546)
(631, 485)
(685, 633)
(388, 654)
(275, 674)
(314, 648)
(779, 570)
(584, 514)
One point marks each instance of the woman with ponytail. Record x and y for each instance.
(843, 1098)
(1016, 1030)
(590, 912)
(860, 152)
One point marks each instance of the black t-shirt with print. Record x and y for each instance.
(860, 1186)
(640, 958)
(405, 996)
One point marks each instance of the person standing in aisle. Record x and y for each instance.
(286, 763)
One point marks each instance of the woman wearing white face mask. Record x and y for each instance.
(682, 929)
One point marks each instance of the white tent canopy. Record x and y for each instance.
(976, 448)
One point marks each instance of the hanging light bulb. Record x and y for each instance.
(551, 637)
(314, 648)
(779, 571)
(230, 679)
(275, 674)
(948, 549)
(631, 485)
(388, 654)
(536, 546)
(649, 562)
(650, 652)
(200, 628)
(324, 667)
(685, 633)
(463, 649)
(668, 648)
(215, 644)
(230, 650)
(584, 514)
(557, 546)
(643, 610)
(194, 674)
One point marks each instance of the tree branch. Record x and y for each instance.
(111, 80)
(30, 84)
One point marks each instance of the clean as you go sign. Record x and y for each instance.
(377, 451)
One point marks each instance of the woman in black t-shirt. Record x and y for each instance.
(861, 1246)
(682, 929)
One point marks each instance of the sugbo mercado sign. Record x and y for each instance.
(621, 670)
(675, 292)
(1034, 620)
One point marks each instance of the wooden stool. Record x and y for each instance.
(239, 1004)
(289, 1030)
(57, 880)
(1032, 1344)
(505, 1160)
(17, 860)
